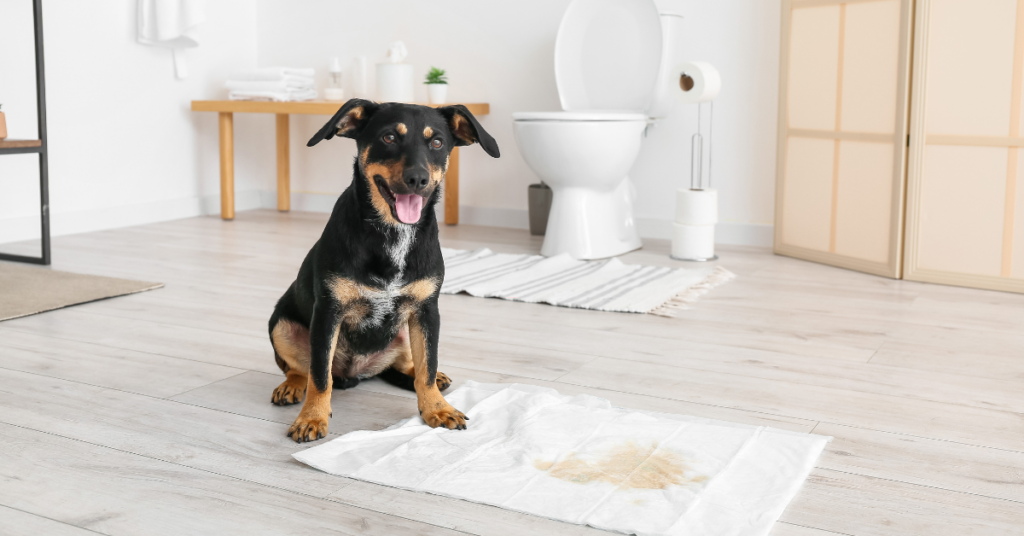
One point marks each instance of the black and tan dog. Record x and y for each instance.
(365, 300)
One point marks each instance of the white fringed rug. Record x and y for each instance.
(604, 285)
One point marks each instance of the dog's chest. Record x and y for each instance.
(382, 303)
(386, 300)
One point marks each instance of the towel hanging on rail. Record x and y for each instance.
(171, 24)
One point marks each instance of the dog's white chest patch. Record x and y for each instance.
(384, 300)
(399, 249)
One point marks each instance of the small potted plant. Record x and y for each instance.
(437, 86)
(3, 125)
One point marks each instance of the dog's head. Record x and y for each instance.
(403, 150)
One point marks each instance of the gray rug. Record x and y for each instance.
(27, 290)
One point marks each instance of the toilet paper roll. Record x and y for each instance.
(696, 81)
(693, 242)
(696, 207)
(395, 82)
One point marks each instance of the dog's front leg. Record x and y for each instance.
(311, 424)
(423, 334)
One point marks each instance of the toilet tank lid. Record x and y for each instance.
(607, 54)
(581, 115)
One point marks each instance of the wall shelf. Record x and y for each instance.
(19, 144)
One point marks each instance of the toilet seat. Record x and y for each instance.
(580, 115)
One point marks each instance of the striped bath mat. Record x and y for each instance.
(604, 285)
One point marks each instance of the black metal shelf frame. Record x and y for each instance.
(42, 149)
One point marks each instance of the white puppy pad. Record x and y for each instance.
(579, 459)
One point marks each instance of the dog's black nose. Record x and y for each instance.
(417, 181)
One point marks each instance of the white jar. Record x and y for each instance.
(394, 82)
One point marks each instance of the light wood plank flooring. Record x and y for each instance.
(151, 414)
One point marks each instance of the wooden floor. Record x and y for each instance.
(151, 414)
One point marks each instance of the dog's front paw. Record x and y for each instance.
(446, 416)
(291, 391)
(443, 381)
(308, 428)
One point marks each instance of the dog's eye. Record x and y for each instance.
(437, 143)
(389, 138)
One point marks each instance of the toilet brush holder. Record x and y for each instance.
(540, 206)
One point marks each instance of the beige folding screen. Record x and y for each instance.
(965, 198)
(842, 132)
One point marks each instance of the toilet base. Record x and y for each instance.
(590, 224)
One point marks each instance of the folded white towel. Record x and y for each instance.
(272, 73)
(283, 96)
(267, 85)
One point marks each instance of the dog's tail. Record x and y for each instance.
(397, 379)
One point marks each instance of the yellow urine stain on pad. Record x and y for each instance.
(629, 466)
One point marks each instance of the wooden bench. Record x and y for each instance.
(226, 110)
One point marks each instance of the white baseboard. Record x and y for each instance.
(247, 200)
(301, 201)
(740, 234)
(494, 217)
(745, 234)
(84, 221)
(64, 223)
(737, 234)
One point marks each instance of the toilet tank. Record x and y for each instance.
(671, 33)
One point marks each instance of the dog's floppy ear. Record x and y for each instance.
(348, 122)
(467, 130)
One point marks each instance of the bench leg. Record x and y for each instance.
(451, 189)
(284, 200)
(227, 165)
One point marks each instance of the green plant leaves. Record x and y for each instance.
(436, 76)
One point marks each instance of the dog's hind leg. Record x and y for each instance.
(291, 350)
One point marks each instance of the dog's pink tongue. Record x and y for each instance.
(408, 207)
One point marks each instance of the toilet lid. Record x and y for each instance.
(607, 54)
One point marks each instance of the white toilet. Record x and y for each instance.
(608, 56)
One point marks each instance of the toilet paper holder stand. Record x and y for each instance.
(697, 165)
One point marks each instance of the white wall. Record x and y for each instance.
(124, 146)
(502, 53)
(741, 38)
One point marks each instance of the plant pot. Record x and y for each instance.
(3, 126)
(540, 206)
(437, 93)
